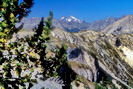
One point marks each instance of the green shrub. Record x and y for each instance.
(25, 54)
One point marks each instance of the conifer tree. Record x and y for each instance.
(22, 61)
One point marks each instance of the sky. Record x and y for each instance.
(88, 10)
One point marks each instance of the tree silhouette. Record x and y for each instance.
(23, 60)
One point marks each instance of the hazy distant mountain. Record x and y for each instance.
(101, 24)
(124, 25)
(70, 24)
(30, 23)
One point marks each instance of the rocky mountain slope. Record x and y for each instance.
(99, 60)
(124, 25)
(70, 24)
(100, 57)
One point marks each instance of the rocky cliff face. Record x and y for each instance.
(100, 57)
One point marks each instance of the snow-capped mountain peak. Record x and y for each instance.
(71, 19)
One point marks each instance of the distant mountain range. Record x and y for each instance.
(71, 23)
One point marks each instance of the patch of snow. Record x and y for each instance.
(71, 19)
(75, 19)
(62, 18)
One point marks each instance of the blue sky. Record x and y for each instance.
(88, 10)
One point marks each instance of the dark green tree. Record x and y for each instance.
(21, 61)
(11, 11)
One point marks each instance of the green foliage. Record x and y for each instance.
(106, 83)
(10, 13)
(98, 86)
(21, 59)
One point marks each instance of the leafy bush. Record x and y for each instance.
(98, 86)
(22, 61)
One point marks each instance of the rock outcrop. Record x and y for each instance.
(97, 56)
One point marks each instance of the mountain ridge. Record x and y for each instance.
(121, 26)
(70, 23)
